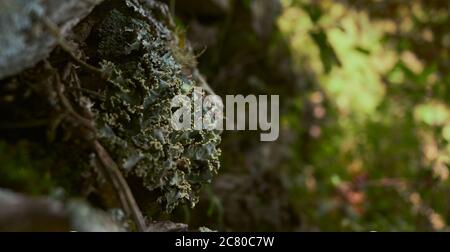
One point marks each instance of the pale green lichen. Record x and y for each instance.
(134, 118)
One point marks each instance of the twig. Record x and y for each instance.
(196, 74)
(172, 8)
(121, 186)
(111, 168)
(89, 92)
(65, 102)
(54, 30)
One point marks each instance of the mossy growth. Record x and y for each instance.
(19, 172)
(133, 120)
(28, 167)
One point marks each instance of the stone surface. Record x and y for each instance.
(23, 38)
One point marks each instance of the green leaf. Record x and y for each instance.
(314, 12)
(328, 55)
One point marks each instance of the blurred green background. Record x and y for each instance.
(365, 116)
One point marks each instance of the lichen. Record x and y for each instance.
(134, 118)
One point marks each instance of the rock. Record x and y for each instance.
(22, 213)
(23, 38)
(167, 226)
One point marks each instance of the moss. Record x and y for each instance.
(28, 168)
(17, 170)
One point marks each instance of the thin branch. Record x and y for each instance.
(121, 186)
(197, 75)
(55, 31)
(111, 168)
(89, 92)
(65, 102)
